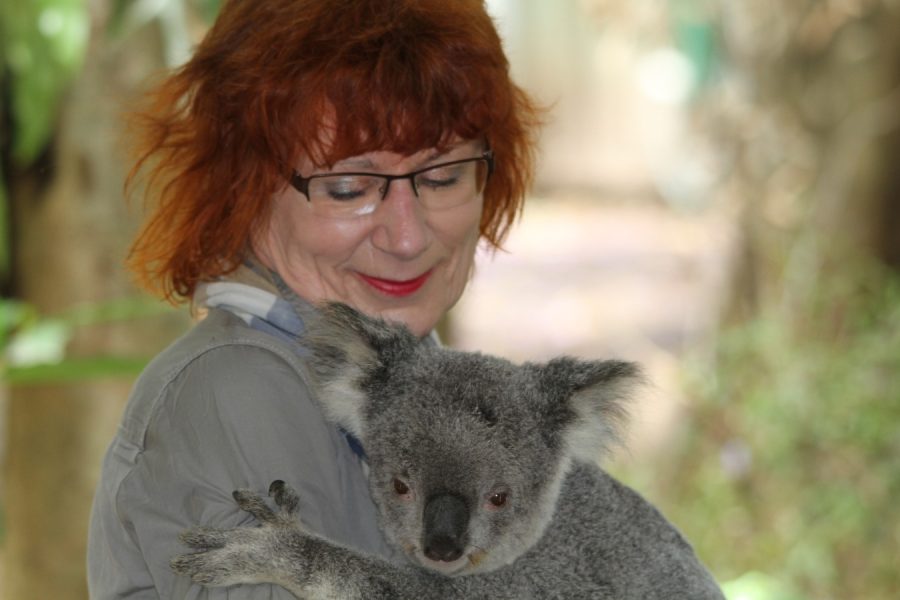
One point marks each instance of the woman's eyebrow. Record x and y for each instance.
(363, 162)
(358, 162)
(443, 153)
(436, 154)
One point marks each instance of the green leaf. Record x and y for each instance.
(73, 370)
(757, 586)
(33, 347)
(13, 315)
(208, 9)
(43, 342)
(42, 43)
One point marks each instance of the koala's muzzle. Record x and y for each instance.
(445, 523)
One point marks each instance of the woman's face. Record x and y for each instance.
(401, 262)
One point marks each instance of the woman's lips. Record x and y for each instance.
(396, 288)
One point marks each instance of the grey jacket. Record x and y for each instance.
(224, 407)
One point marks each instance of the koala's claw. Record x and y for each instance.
(254, 504)
(285, 497)
(227, 556)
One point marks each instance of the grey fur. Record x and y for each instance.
(462, 432)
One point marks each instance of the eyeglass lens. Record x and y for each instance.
(440, 187)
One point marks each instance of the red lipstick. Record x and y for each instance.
(396, 288)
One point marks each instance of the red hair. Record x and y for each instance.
(277, 79)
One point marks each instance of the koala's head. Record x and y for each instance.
(466, 452)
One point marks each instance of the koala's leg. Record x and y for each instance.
(282, 552)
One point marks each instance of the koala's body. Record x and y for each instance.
(484, 474)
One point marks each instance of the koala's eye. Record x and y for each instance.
(400, 487)
(498, 499)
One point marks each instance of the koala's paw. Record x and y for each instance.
(285, 498)
(245, 554)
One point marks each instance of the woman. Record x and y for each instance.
(311, 150)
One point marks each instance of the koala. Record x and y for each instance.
(484, 474)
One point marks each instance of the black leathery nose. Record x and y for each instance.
(446, 522)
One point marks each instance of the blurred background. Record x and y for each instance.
(718, 198)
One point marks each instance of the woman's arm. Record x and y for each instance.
(238, 417)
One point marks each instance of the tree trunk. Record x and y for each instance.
(71, 230)
(816, 136)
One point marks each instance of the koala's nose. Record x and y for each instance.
(445, 522)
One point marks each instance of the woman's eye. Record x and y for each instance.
(439, 183)
(344, 196)
(440, 178)
(343, 189)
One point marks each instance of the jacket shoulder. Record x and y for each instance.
(216, 352)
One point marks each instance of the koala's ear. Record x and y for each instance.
(589, 401)
(347, 349)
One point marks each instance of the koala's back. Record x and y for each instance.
(606, 541)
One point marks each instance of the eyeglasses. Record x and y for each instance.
(438, 187)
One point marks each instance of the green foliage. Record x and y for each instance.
(42, 45)
(693, 30)
(137, 11)
(789, 465)
(757, 586)
(208, 9)
(33, 347)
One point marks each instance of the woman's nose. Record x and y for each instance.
(401, 227)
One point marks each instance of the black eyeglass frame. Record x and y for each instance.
(301, 184)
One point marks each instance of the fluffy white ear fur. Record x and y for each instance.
(343, 359)
(601, 413)
(342, 403)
